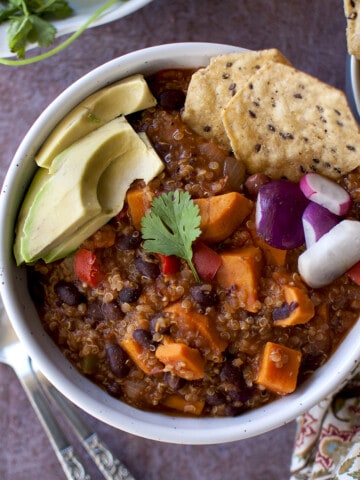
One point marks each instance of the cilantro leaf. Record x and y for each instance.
(17, 34)
(42, 31)
(172, 225)
(28, 25)
(6, 13)
(56, 9)
(24, 27)
(28, 22)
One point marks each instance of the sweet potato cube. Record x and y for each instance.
(298, 308)
(184, 361)
(221, 215)
(143, 358)
(241, 269)
(200, 325)
(279, 368)
(273, 256)
(139, 202)
(176, 402)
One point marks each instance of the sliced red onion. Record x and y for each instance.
(326, 192)
(317, 221)
(332, 255)
(279, 208)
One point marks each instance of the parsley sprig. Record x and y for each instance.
(30, 22)
(171, 226)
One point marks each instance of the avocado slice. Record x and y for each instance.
(141, 161)
(127, 96)
(67, 199)
(41, 176)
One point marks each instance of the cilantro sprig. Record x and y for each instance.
(30, 21)
(171, 226)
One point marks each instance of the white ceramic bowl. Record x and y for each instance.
(353, 75)
(27, 325)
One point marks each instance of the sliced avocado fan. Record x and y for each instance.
(77, 195)
(129, 95)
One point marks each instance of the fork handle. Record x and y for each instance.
(72, 466)
(70, 463)
(110, 466)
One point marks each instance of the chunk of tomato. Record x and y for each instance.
(87, 267)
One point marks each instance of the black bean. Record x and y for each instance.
(143, 337)
(94, 310)
(172, 99)
(94, 314)
(148, 269)
(240, 394)
(68, 293)
(215, 399)
(173, 381)
(231, 374)
(160, 323)
(204, 296)
(117, 359)
(111, 311)
(129, 294)
(254, 182)
(114, 389)
(233, 410)
(129, 241)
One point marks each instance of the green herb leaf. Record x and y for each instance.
(42, 33)
(172, 225)
(7, 13)
(55, 9)
(17, 34)
(24, 8)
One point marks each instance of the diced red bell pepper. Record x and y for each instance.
(206, 260)
(354, 273)
(170, 264)
(87, 267)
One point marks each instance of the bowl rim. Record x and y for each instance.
(82, 392)
(355, 82)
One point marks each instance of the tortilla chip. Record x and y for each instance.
(211, 88)
(352, 14)
(285, 123)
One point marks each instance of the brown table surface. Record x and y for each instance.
(312, 35)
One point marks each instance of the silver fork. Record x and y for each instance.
(110, 466)
(13, 354)
(38, 389)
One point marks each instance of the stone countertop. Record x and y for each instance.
(310, 34)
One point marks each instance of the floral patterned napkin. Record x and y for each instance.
(327, 442)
